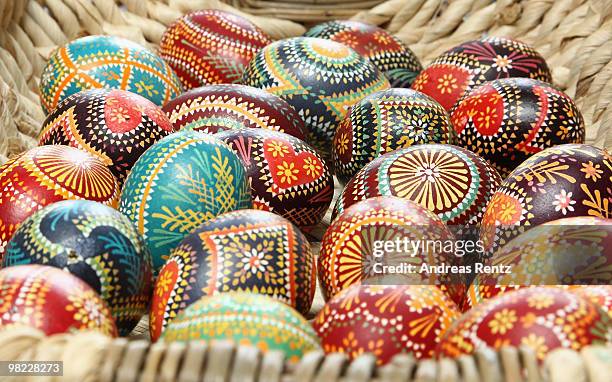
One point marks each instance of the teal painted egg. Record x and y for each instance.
(95, 62)
(320, 78)
(97, 244)
(247, 319)
(181, 182)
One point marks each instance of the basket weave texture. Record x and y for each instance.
(575, 37)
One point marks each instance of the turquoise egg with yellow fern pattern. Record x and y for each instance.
(95, 243)
(180, 182)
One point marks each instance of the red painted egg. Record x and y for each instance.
(599, 294)
(450, 181)
(385, 321)
(562, 181)
(115, 125)
(570, 251)
(355, 247)
(473, 63)
(541, 318)
(51, 300)
(246, 250)
(287, 176)
(507, 121)
(47, 174)
(394, 58)
(214, 108)
(211, 47)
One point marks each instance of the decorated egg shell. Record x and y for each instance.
(450, 181)
(47, 174)
(247, 250)
(52, 301)
(211, 47)
(385, 321)
(350, 249)
(214, 108)
(598, 294)
(247, 319)
(506, 121)
(116, 125)
(95, 62)
(330, 78)
(473, 63)
(387, 52)
(97, 244)
(562, 181)
(179, 183)
(542, 318)
(287, 176)
(386, 121)
(568, 251)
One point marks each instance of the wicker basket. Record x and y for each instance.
(307, 11)
(575, 36)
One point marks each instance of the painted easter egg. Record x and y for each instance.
(111, 62)
(568, 251)
(48, 174)
(354, 246)
(562, 181)
(450, 181)
(97, 244)
(52, 301)
(598, 294)
(385, 320)
(287, 176)
(386, 121)
(179, 183)
(116, 125)
(211, 47)
(214, 108)
(394, 58)
(473, 63)
(247, 250)
(542, 318)
(247, 319)
(507, 121)
(330, 78)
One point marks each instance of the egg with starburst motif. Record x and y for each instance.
(473, 63)
(287, 175)
(247, 250)
(215, 108)
(95, 243)
(95, 62)
(182, 181)
(330, 78)
(450, 181)
(47, 174)
(52, 301)
(394, 58)
(246, 319)
(210, 46)
(385, 320)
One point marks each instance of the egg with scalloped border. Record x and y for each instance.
(246, 250)
(385, 320)
(52, 301)
(95, 243)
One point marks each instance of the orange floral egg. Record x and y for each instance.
(385, 320)
(541, 318)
